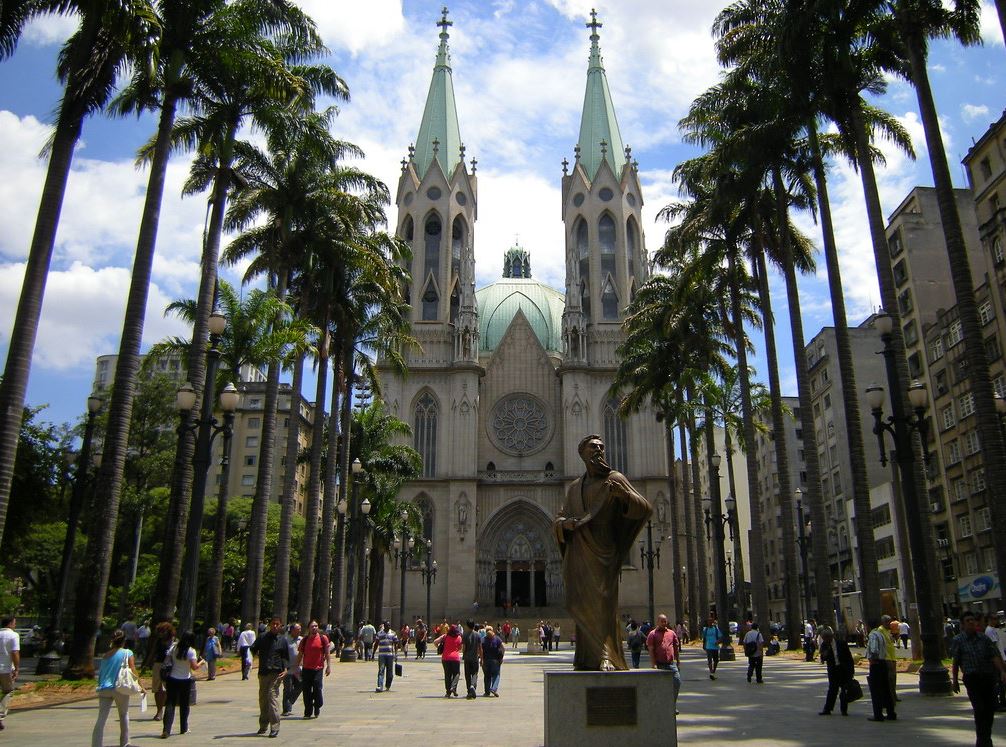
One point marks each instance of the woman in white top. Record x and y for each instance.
(183, 661)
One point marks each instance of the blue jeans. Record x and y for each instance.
(385, 670)
(673, 668)
(491, 675)
(635, 654)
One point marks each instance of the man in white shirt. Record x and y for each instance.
(368, 632)
(10, 662)
(142, 639)
(245, 641)
(129, 630)
(291, 683)
(903, 632)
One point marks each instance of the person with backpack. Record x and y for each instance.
(211, 652)
(635, 640)
(711, 637)
(754, 650)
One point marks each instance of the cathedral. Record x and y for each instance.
(511, 376)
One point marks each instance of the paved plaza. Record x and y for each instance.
(783, 711)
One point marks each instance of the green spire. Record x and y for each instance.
(599, 135)
(439, 135)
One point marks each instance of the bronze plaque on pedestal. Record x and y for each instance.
(611, 706)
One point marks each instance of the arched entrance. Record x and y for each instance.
(518, 560)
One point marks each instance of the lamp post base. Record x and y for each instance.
(727, 653)
(934, 679)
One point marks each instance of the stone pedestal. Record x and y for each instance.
(584, 709)
(534, 647)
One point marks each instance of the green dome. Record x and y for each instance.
(542, 307)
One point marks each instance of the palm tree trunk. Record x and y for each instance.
(1001, 11)
(251, 602)
(675, 539)
(340, 538)
(375, 590)
(989, 426)
(97, 561)
(702, 598)
(17, 370)
(305, 594)
(738, 580)
(323, 592)
(759, 590)
(215, 579)
(791, 580)
(173, 549)
(869, 576)
(812, 492)
(284, 543)
(691, 541)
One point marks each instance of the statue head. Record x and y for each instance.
(591, 451)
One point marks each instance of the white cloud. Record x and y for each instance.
(356, 26)
(971, 112)
(82, 313)
(51, 29)
(992, 32)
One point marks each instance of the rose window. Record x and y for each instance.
(519, 424)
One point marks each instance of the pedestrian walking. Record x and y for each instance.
(273, 654)
(903, 632)
(979, 657)
(837, 657)
(998, 637)
(681, 631)
(142, 639)
(10, 663)
(711, 638)
(164, 638)
(114, 661)
(877, 651)
(515, 634)
(385, 641)
(179, 664)
(211, 652)
(665, 652)
(754, 650)
(422, 633)
(895, 627)
(403, 639)
(809, 639)
(472, 648)
(491, 658)
(367, 634)
(315, 661)
(636, 641)
(292, 683)
(245, 642)
(129, 629)
(450, 644)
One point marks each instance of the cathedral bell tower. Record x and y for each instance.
(601, 204)
(437, 207)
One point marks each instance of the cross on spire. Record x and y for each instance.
(443, 23)
(594, 25)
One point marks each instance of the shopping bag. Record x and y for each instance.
(853, 691)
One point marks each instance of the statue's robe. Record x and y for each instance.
(610, 513)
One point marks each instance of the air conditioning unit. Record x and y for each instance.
(935, 508)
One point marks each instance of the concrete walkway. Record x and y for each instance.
(415, 713)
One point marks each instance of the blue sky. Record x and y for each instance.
(519, 75)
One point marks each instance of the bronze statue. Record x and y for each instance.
(595, 530)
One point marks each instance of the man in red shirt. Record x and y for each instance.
(665, 651)
(313, 656)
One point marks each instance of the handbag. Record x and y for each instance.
(853, 691)
(125, 681)
(398, 669)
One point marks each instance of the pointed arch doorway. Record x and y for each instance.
(518, 559)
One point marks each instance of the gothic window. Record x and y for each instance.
(455, 303)
(632, 243)
(614, 436)
(517, 269)
(609, 300)
(425, 433)
(431, 301)
(606, 238)
(457, 243)
(583, 258)
(585, 297)
(408, 228)
(433, 231)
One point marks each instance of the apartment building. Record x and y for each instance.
(171, 365)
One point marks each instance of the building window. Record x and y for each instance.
(911, 333)
(966, 405)
(250, 460)
(999, 385)
(431, 302)
(905, 301)
(972, 443)
(953, 452)
(964, 525)
(900, 273)
(251, 442)
(941, 382)
(881, 515)
(606, 240)
(955, 333)
(992, 352)
(989, 559)
(970, 564)
(827, 402)
(983, 519)
(985, 313)
(998, 255)
(986, 168)
(609, 300)
(947, 416)
(915, 365)
(425, 433)
(936, 499)
(247, 480)
(885, 548)
(614, 436)
(432, 246)
(459, 235)
(960, 489)
(978, 480)
(894, 244)
(936, 349)
(254, 423)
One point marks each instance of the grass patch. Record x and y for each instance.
(60, 684)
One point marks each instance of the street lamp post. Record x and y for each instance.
(933, 677)
(429, 578)
(403, 552)
(80, 480)
(356, 512)
(206, 428)
(719, 522)
(803, 540)
(646, 558)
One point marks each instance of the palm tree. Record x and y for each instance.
(111, 36)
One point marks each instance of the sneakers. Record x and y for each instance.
(261, 731)
(378, 689)
(273, 733)
(286, 713)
